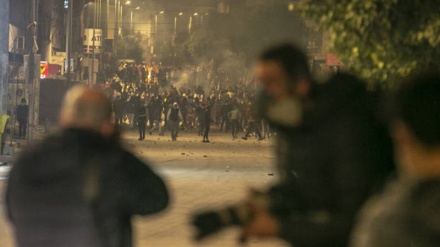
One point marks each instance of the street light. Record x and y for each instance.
(122, 16)
(131, 19)
(195, 21)
(116, 18)
(175, 27)
(190, 23)
(175, 23)
(92, 68)
(156, 21)
(291, 7)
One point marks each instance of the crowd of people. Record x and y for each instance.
(147, 106)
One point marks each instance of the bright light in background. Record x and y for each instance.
(138, 7)
(128, 3)
(66, 4)
(180, 13)
(291, 7)
(196, 14)
(161, 12)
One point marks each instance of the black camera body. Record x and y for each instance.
(210, 222)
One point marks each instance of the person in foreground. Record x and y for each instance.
(79, 187)
(407, 213)
(332, 153)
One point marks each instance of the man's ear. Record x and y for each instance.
(403, 146)
(302, 87)
(399, 132)
(62, 120)
(107, 129)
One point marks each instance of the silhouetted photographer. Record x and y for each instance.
(331, 155)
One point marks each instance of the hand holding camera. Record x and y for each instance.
(253, 216)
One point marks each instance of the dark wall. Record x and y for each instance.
(20, 13)
(52, 92)
(20, 16)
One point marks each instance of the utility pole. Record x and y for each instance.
(69, 41)
(116, 20)
(31, 83)
(116, 32)
(4, 63)
(95, 16)
(4, 54)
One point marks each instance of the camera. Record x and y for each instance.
(211, 222)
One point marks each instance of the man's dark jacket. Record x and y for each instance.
(77, 188)
(22, 113)
(329, 164)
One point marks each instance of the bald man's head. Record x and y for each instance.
(86, 108)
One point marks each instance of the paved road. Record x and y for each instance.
(200, 175)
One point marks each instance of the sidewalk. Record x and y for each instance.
(11, 148)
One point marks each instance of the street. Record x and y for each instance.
(199, 176)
